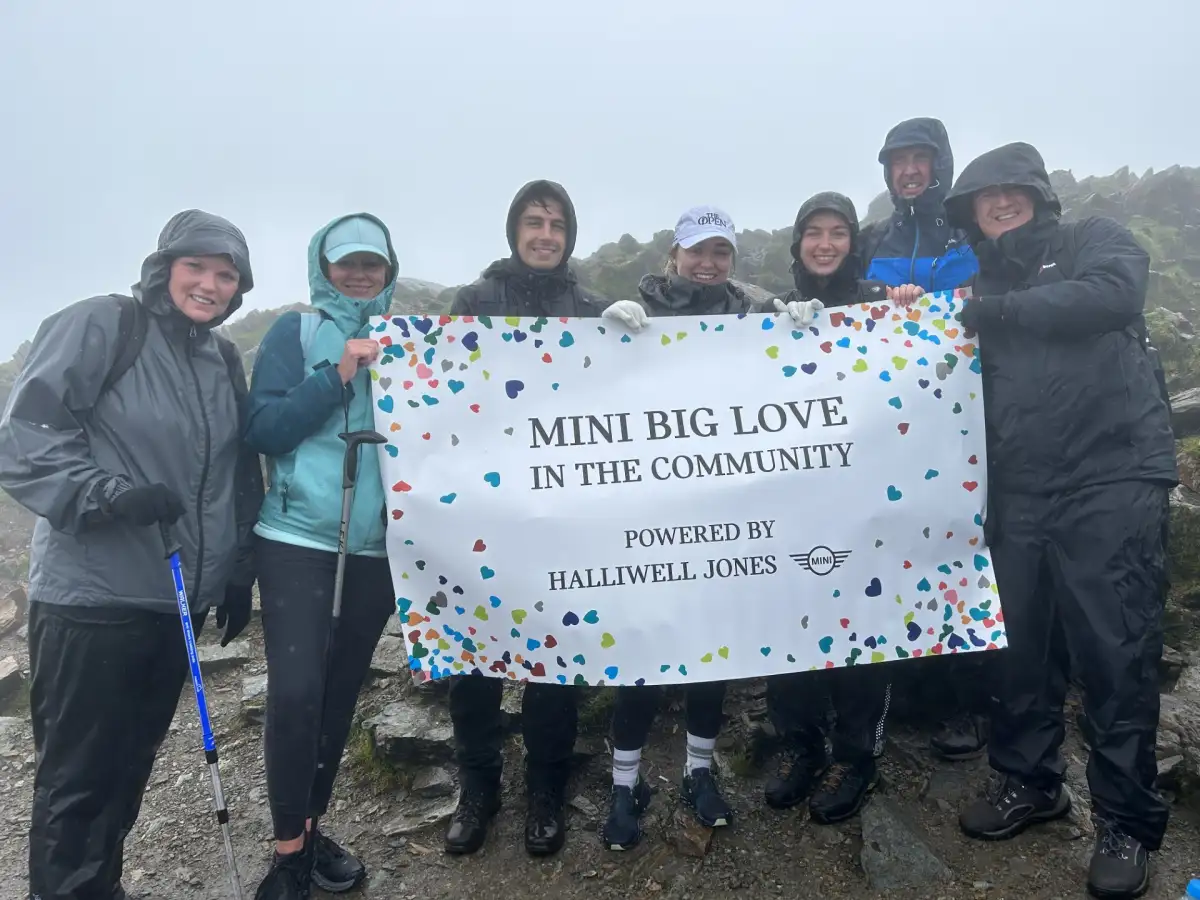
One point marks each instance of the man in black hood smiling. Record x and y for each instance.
(1080, 460)
(535, 280)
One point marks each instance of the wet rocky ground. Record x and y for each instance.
(396, 789)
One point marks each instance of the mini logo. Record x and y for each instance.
(712, 219)
(821, 560)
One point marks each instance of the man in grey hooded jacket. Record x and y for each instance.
(105, 462)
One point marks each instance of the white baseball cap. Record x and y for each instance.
(701, 223)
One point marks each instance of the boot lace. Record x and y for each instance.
(543, 803)
(835, 775)
(469, 812)
(1113, 841)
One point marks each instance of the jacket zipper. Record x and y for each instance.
(191, 352)
(912, 263)
(283, 496)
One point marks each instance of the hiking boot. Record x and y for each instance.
(1120, 864)
(545, 820)
(1009, 807)
(793, 779)
(623, 829)
(335, 869)
(289, 878)
(963, 737)
(842, 791)
(477, 804)
(701, 793)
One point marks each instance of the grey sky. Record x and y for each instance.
(281, 116)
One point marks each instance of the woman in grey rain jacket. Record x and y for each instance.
(125, 418)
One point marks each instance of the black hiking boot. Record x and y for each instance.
(1009, 807)
(623, 829)
(842, 791)
(960, 738)
(701, 793)
(478, 803)
(793, 780)
(1120, 865)
(545, 819)
(335, 869)
(289, 878)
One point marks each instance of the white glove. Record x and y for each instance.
(628, 312)
(803, 312)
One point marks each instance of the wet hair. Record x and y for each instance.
(542, 199)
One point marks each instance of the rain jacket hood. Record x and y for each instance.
(193, 232)
(845, 280)
(348, 314)
(1017, 164)
(542, 187)
(921, 132)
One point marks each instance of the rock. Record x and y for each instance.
(688, 836)
(390, 657)
(394, 627)
(11, 678)
(215, 658)
(419, 814)
(12, 610)
(585, 806)
(1185, 413)
(12, 737)
(893, 856)
(1170, 665)
(1179, 732)
(254, 698)
(1168, 771)
(432, 783)
(511, 706)
(412, 734)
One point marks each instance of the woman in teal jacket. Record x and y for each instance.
(311, 383)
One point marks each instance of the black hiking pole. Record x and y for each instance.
(354, 440)
(210, 744)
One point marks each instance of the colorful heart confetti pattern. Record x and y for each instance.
(448, 388)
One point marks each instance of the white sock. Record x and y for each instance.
(625, 767)
(699, 753)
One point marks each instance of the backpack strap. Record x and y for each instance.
(310, 323)
(131, 336)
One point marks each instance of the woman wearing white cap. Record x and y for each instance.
(695, 282)
(311, 383)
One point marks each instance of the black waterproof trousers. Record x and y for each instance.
(105, 683)
(1082, 578)
(304, 750)
(798, 704)
(636, 708)
(549, 723)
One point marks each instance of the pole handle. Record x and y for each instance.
(170, 544)
(353, 440)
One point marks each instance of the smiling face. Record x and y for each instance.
(708, 262)
(360, 276)
(911, 171)
(202, 287)
(825, 243)
(1003, 208)
(542, 235)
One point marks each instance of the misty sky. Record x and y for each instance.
(282, 115)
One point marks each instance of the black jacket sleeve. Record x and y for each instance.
(1107, 290)
(248, 477)
(464, 301)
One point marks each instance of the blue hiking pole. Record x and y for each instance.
(210, 744)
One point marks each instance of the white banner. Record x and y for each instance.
(715, 497)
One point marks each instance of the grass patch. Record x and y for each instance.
(380, 775)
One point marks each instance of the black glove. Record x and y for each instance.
(980, 312)
(233, 615)
(147, 505)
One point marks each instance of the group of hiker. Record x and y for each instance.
(132, 424)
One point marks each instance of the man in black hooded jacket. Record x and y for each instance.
(534, 281)
(1080, 458)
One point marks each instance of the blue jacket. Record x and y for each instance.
(917, 245)
(297, 407)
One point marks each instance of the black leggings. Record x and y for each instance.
(296, 585)
(105, 684)
(637, 706)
